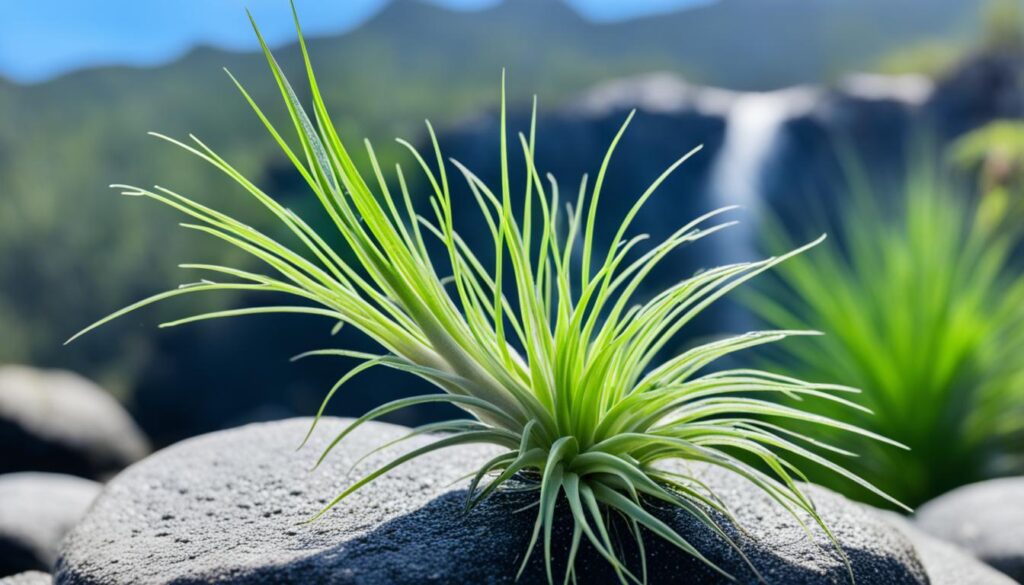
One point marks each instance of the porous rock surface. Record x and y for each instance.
(229, 506)
(985, 518)
(36, 511)
(52, 420)
(946, 563)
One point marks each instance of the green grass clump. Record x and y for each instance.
(544, 343)
(923, 310)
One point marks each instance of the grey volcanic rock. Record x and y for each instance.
(59, 421)
(228, 507)
(36, 511)
(946, 563)
(28, 578)
(985, 518)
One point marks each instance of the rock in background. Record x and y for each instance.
(946, 563)
(985, 518)
(36, 511)
(58, 421)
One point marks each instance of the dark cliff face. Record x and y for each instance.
(881, 125)
(786, 151)
(868, 124)
(783, 154)
(772, 150)
(984, 88)
(572, 141)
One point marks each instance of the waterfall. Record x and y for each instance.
(753, 126)
(737, 177)
(752, 134)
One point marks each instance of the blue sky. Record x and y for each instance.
(40, 39)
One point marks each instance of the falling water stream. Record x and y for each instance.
(753, 130)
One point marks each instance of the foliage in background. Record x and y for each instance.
(1001, 31)
(1003, 26)
(933, 58)
(923, 310)
(995, 154)
(545, 344)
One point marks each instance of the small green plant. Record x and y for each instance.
(541, 344)
(924, 311)
(995, 154)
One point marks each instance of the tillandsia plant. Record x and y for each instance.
(541, 344)
(923, 310)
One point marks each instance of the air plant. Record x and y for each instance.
(923, 310)
(542, 344)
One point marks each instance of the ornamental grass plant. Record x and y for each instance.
(544, 340)
(922, 306)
